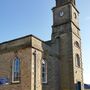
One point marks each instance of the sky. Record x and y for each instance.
(23, 17)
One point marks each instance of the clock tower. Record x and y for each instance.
(66, 41)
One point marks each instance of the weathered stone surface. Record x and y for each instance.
(59, 54)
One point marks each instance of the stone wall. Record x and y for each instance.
(25, 65)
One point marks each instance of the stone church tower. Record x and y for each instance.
(28, 63)
(66, 41)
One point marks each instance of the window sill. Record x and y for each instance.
(15, 82)
(44, 82)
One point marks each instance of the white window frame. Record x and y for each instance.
(13, 69)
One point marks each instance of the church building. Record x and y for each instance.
(29, 63)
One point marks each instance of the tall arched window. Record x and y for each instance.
(77, 60)
(16, 70)
(44, 71)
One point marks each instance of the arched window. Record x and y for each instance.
(44, 71)
(16, 70)
(77, 60)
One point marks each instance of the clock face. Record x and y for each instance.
(61, 13)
